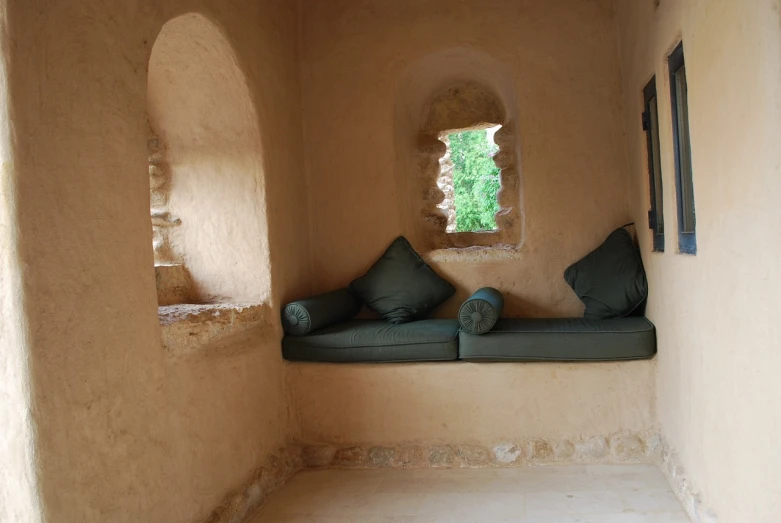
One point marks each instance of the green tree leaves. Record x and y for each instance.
(475, 180)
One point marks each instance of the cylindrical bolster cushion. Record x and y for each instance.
(303, 316)
(481, 310)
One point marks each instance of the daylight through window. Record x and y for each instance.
(470, 180)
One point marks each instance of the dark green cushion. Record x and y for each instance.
(481, 310)
(376, 341)
(610, 280)
(401, 287)
(567, 339)
(303, 316)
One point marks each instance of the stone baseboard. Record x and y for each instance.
(622, 447)
(241, 504)
(692, 503)
(615, 448)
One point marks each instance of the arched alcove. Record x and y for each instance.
(450, 90)
(206, 169)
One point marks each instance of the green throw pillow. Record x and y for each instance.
(610, 280)
(400, 286)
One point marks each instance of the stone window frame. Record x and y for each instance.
(467, 106)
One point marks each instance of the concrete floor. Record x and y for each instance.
(555, 494)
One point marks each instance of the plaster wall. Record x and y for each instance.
(18, 481)
(122, 431)
(716, 312)
(368, 68)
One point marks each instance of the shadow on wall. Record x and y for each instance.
(206, 167)
(454, 89)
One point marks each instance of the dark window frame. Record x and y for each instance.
(684, 183)
(655, 182)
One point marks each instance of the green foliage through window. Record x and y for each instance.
(475, 180)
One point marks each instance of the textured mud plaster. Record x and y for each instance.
(481, 404)
(174, 284)
(203, 113)
(123, 434)
(553, 66)
(716, 313)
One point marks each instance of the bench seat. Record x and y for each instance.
(561, 339)
(376, 341)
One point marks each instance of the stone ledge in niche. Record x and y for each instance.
(188, 327)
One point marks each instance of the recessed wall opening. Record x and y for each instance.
(469, 179)
(207, 192)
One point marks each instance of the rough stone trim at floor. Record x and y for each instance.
(242, 503)
(673, 469)
(616, 448)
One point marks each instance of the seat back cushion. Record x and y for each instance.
(400, 286)
(610, 280)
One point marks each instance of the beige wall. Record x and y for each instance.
(466, 403)
(716, 312)
(554, 65)
(123, 433)
(18, 482)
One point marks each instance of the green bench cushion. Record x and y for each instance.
(376, 341)
(566, 339)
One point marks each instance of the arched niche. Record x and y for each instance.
(206, 167)
(455, 89)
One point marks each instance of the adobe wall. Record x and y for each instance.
(716, 312)
(18, 482)
(124, 433)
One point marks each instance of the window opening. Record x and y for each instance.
(651, 127)
(687, 241)
(470, 179)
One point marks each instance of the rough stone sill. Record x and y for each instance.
(477, 253)
(189, 328)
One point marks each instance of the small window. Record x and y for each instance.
(651, 128)
(469, 169)
(687, 241)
